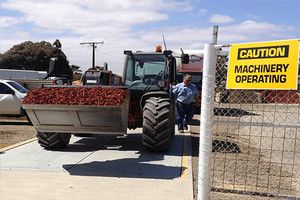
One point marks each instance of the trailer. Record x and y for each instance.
(79, 118)
(29, 79)
(56, 123)
(22, 74)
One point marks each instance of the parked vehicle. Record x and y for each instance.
(100, 77)
(60, 80)
(11, 97)
(194, 67)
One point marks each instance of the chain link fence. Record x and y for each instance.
(256, 141)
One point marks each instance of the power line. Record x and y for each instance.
(109, 55)
(93, 44)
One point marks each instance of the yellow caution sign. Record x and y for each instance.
(264, 65)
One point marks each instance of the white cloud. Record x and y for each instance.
(86, 20)
(98, 16)
(8, 21)
(251, 31)
(255, 17)
(220, 19)
(114, 22)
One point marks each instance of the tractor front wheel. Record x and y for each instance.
(157, 126)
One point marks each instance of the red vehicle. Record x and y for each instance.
(194, 68)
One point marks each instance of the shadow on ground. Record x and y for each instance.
(125, 157)
(231, 112)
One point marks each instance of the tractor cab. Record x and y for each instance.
(146, 71)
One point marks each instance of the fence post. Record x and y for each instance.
(206, 124)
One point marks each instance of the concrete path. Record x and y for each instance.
(100, 167)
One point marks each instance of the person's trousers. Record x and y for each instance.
(184, 114)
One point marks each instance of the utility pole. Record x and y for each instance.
(93, 44)
(215, 34)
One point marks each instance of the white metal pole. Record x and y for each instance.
(206, 124)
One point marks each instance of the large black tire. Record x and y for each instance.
(53, 140)
(157, 124)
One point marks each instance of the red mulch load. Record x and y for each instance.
(77, 96)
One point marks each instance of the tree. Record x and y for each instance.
(36, 56)
(77, 73)
(57, 44)
(75, 68)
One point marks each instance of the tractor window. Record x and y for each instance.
(144, 67)
(129, 71)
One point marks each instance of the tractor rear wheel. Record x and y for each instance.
(53, 140)
(157, 124)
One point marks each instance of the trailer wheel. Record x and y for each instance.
(157, 126)
(53, 140)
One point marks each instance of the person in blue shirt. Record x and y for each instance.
(185, 93)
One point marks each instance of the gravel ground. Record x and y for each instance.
(15, 130)
(248, 164)
(195, 130)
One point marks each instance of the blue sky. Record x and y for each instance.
(139, 25)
